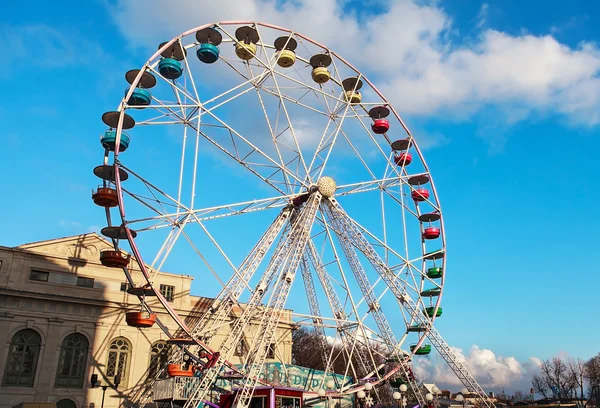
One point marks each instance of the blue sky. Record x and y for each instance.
(511, 144)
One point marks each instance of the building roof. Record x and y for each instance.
(83, 246)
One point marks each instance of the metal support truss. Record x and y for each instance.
(288, 252)
(348, 232)
(313, 304)
(208, 324)
(227, 299)
(374, 309)
(336, 306)
(300, 235)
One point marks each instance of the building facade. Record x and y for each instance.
(62, 319)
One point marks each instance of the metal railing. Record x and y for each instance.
(174, 388)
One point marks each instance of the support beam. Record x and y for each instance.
(351, 233)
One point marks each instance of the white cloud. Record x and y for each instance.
(535, 361)
(411, 52)
(482, 15)
(493, 372)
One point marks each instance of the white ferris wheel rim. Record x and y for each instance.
(123, 107)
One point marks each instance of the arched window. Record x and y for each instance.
(159, 355)
(22, 359)
(71, 364)
(119, 359)
(66, 403)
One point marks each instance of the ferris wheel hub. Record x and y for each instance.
(326, 186)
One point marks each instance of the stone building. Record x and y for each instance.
(62, 319)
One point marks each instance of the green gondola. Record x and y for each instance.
(435, 272)
(429, 311)
(431, 292)
(421, 351)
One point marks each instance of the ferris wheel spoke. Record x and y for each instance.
(203, 258)
(298, 151)
(327, 142)
(207, 109)
(145, 201)
(228, 297)
(190, 77)
(303, 85)
(338, 312)
(242, 158)
(400, 266)
(170, 109)
(315, 311)
(363, 282)
(174, 85)
(220, 211)
(323, 164)
(237, 331)
(408, 303)
(289, 249)
(243, 88)
(359, 241)
(382, 184)
(325, 139)
(379, 242)
(165, 115)
(275, 137)
(182, 167)
(275, 143)
(251, 83)
(281, 97)
(152, 187)
(295, 101)
(165, 250)
(347, 241)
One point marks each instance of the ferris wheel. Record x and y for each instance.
(266, 166)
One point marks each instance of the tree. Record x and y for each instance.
(306, 349)
(539, 386)
(555, 379)
(577, 368)
(592, 377)
(519, 396)
(307, 352)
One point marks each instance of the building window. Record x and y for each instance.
(124, 286)
(271, 351)
(159, 355)
(85, 282)
(168, 292)
(38, 275)
(288, 402)
(119, 358)
(258, 401)
(22, 359)
(239, 348)
(71, 364)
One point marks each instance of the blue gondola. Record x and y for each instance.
(208, 53)
(109, 139)
(139, 97)
(170, 68)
